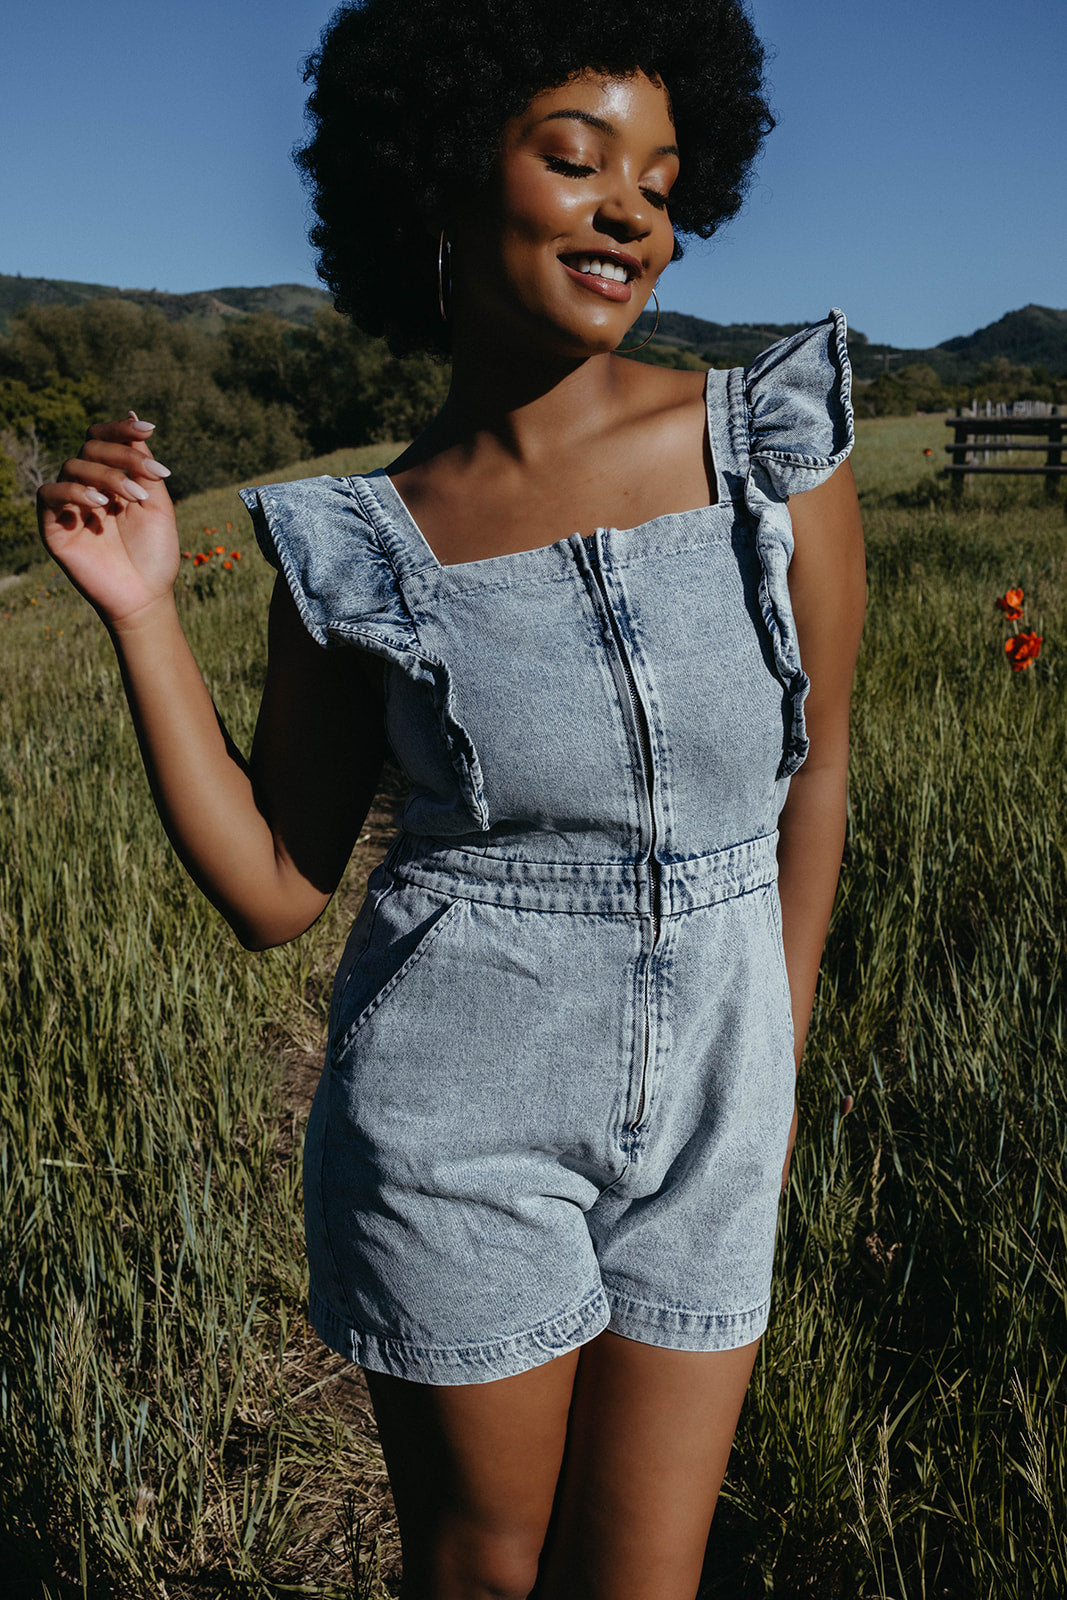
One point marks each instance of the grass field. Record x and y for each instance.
(169, 1427)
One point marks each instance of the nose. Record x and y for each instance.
(625, 216)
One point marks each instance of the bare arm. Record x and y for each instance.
(280, 826)
(828, 590)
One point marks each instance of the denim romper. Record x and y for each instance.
(559, 1078)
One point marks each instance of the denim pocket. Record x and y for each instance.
(773, 906)
(405, 921)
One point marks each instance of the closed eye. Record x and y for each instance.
(571, 169)
(577, 169)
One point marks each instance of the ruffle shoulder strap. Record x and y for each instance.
(345, 578)
(315, 533)
(798, 395)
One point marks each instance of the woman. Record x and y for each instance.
(542, 1167)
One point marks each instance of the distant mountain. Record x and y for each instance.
(1036, 336)
(211, 308)
(1032, 336)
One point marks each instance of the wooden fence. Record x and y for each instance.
(1023, 425)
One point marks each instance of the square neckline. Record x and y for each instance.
(379, 479)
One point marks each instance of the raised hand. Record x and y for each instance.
(109, 522)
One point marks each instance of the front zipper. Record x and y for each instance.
(651, 865)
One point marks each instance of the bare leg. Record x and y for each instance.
(647, 1445)
(474, 1470)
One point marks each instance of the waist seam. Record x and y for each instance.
(605, 888)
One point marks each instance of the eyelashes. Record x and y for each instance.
(577, 169)
(570, 169)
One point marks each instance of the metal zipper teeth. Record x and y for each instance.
(644, 742)
(651, 864)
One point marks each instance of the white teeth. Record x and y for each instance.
(614, 271)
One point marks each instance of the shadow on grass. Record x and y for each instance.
(730, 1570)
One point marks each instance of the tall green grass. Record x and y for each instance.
(154, 1428)
(166, 1423)
(906, 1436)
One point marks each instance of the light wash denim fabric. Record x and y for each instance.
(560, 1077)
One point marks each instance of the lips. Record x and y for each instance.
(608, 273)
(610, 264)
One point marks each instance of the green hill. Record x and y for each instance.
(210, 308)
(1032, 336)
(1035, 336)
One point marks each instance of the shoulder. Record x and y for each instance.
(666, 404)
(650, 390)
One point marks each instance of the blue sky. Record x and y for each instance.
(916, 177)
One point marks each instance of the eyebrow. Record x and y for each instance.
(602, 127)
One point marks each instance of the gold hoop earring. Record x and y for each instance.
(443, 246)
(621, 352)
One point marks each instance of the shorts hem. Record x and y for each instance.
(469, 1363)
(681, 1328)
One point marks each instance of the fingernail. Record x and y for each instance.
(142, 427)
(155, 469)
(95, 498)
(134, 490)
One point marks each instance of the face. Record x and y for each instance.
(568, 242)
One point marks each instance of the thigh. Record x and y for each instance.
(647, 1445)
(474, 1470)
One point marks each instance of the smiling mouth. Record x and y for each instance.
(608, 268)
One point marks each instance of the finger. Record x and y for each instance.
(69, 507)
(54, 496)
(134, 460)
(125, 430)
(110, 481)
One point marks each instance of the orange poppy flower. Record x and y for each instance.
(236, 555)
(1011, 604)
(1023, 650)
(227, 564)
(220, 549)
(928, 452)
(187, 555)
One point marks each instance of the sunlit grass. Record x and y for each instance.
(154, 1355)
(162, 1418)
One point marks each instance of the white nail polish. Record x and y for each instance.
(134, 490)
(155, 469)
(95, 498)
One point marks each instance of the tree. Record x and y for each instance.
(39, 429)
(17, 520)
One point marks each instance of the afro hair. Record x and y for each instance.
(410, 97)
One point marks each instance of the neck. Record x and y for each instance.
(523, 401)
